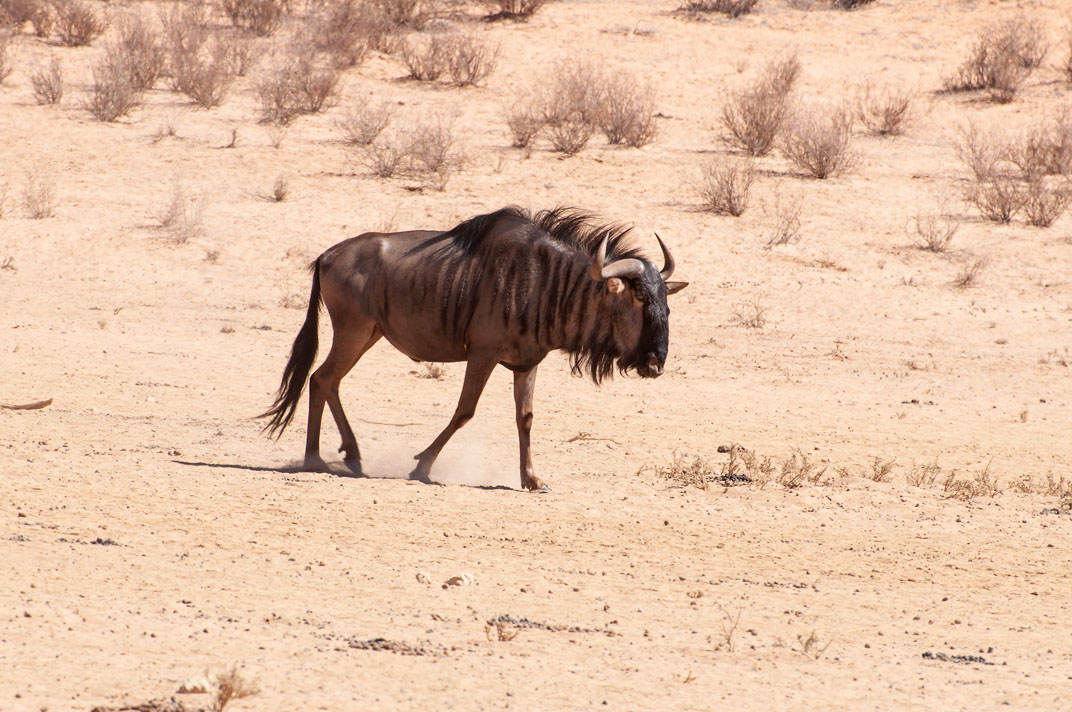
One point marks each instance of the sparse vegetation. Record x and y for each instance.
(751, 314)
(1045, 200)
(182, 217)
(512, 9)
(885, 111)
(260, 17)
(817, 140)
(786, 219)
(471, 60)
(298, 85)
(113, 94)
(143, 51)
(361, 126)
(77, 22)
(6, 66)
(524, 118)
(230, 685)
(427, 58)
(733, 8)
(998, 197)
(849, 4)
(969, 274)
(725, 185)
(752, 119)
(626, 110)
(432, 150)
(1001, 59)
(280, 190)
(39, 194)
(48, 83)
(934, 232)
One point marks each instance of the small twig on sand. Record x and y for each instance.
(36, 405)
(588, 437)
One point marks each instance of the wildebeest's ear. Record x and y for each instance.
(615, 285)
(675, 287)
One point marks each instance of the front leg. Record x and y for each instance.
(477, 371)
(524, 387)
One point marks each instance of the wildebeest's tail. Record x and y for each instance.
(302, 357)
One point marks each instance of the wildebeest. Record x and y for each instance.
(503, 288)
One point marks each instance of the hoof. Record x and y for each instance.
(315, 464)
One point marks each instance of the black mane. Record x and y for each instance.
(572, 227)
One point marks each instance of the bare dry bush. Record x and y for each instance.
(186, 31)
(1044, 201)
(113, 94)
(77, 23)
(6, 66)
(984, 484)
(48, 83)
(970, 273)
(525, 120)
(432, 150)
(299, 84)
(511, 9)
(261, 17)
(980, 151)
(934, 232)
(817, 140)
(570, 134)
(1002, 59)
(16, 13)
(428, 58)
(229, 686)
(572, 103)
(999, 197)
(346, 29)
(385, 157)
(849, 4)
(207, 76)
(240, 53)
(751, 314)
(884, 111)
(42, 18)
(923, 475)
(39, 194)
(725, 185)
(471, 60)
(786, 219)
(362, 125)
(183, 216)
(733, 8)
(1045, 149)
(414, 14)
(798, 470)
(146, 55)
(627, 110)
(753, 118)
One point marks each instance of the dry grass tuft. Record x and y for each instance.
(970, 273)
(934, 232)
(39, 194)
(519, 10)
(924, 475)
(260, 17)
(113, 94)
(525, 120)
(230, 685)
(299, 84)
(183, 216)
(427, 58)
(984, 484)
(432, 150)
(998, 197)
(471, 60)
(753, 118)
(48, 83)
(817, 140)
(1044, 201)
(751, 314)
(786, 220)
(144, 50)
(725, 185)
(886, 111)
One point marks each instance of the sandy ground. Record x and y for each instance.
(150, 533)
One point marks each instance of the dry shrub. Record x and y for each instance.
(572, 104)
(471, 60)
(183, 216)
(998, 197)
(627, 110)
(1002, 58)
(969, 273)
(240, 53)
(16, 13)
(849, 4)
(230, 686)
(525, 120)
(934, 232)
(428, 58)
(817, 140)
(146, 55)
(48, 83)
(432, 151)
(786, 216)
(799, 470)
(186, 31)
(511, 9)
(385, 157)
(113, 93)
(261, 17)
(1044, 201)
(733, 8)
(346, 29)
(980, 151)
(983, 484)
(298, 85)
(6, 66)
(923, 475)
(206, 76)
(884, 111)
(753, 118)
(362, 125)
(725, 184)
(414, 14)
(39, 194)
(1045, 149)
(751, 314)
(77, 23)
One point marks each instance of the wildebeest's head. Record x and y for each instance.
(641, 315)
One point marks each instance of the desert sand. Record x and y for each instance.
(151, 534)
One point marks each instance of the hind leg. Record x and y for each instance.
(349, 343)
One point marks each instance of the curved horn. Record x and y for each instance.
(668, 259)
(628, 267)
